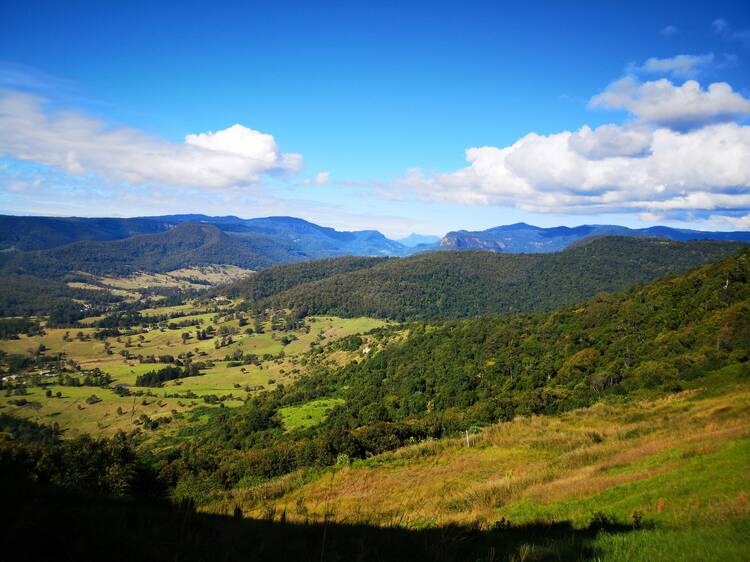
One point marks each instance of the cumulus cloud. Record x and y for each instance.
(682, 152)
(679, 66)
(706, 169)
(82, 145)
(609, 141)
(662, 103)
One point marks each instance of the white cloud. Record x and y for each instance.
(679, 66)
(82, 145)
(662, 103)
(722, 27)
(322, 178)
(739, 223)
(704, 169)
(669, 31)
(609, 141)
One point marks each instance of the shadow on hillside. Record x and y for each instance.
(58, 527)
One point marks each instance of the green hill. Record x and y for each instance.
(466, 284)
(185, 245)
(441, 378)
(274, 280)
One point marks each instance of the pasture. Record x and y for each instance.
(222, 383)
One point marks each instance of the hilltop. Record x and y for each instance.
(464, 284)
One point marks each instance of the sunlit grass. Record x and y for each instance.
(677, 468)
(308, 414)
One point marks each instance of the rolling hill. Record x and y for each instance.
(185, 245)
(42, 233)
(464, 284)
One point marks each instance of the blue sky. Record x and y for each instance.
(368, 110)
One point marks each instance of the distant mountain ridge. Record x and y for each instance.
(186, 245)
(63, 242)
(304, 239)
(414, 240)
(525, 238)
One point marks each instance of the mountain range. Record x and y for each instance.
(521, 237)
(295, 238)
(53, 246)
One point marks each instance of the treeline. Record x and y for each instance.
(32, 455)
(444, 285)
(26, 295)
(168, 373)
(11, 328)
(448, 377)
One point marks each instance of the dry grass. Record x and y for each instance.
(536, 461)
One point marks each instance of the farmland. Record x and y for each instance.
(223, 383)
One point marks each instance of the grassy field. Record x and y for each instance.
(309, 414)
(231, 384)
(130, 286)
(674, 471)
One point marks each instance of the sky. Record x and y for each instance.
(398, 116)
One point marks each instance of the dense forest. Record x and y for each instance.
(450, 376)
(444, 285)
(277, 279)
(26, 295)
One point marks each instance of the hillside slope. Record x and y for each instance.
(648, 478)
(464, 284)
(183, 246)
(42, 233)
(438, 379)
(300, 239)
(659, 337)
(277, 279)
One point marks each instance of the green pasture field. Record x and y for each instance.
(235, 383)
(308, 414)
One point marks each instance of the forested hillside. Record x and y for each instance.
(466, 284)
(446, 377)
(25, 295)
(659, 337)
(298, 238)
(183, 246)
(42, 233)
(277, 279)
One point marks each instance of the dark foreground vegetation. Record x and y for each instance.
(95, 499)
(79, 528)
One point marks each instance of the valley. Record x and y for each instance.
(587, 404)
(241, 356)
